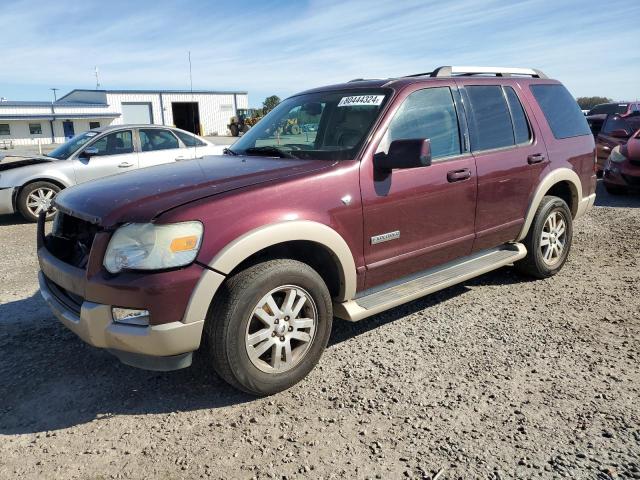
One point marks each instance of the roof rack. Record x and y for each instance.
(450, 71)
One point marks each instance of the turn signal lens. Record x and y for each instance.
(184, 244)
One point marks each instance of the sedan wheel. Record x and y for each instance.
(36, 198)
(40, 200)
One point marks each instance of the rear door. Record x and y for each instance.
(509, 159)
(158, 146)
(115, 154)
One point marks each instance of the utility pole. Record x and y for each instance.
(97, 78)
(55, 98)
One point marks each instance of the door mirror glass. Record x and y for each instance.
(89, 152)
(411, 153)
(620, 133)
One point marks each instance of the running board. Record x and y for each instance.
(387, 296)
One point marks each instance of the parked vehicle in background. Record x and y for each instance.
(598, 114)
(615, 131)
(405, 186)
(622, 169)
(29, 185)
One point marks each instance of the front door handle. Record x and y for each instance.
(535, 158)
(458, 175)
(125, 165)
(179, 159)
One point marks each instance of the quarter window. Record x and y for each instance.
(114, 144)
(189, 140)
(489, 118)
(520, 124)
(4, 129)
(157, 139)
(561, 111)
(428, 113)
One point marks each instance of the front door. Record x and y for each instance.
(67, 127)
(418, 218)
(115, 154)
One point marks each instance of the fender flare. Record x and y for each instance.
(552, 178)
(260, 238)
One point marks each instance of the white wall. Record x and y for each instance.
(20, 132)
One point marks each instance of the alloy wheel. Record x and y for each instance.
(40, 200)
(553, 238)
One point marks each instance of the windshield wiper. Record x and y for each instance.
(228, 151)
(269, 150)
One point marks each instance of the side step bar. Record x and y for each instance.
(387, 296)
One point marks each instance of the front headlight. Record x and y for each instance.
(145, 246)
(616, 156)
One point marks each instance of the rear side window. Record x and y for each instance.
(156, 139)
(561, 111)
(489, 117)
(428, 113)
(520, 124)
(189, 140)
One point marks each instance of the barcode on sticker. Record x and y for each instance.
(361, 100)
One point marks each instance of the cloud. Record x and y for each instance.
(283, 47)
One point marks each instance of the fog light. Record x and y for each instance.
(130, 316)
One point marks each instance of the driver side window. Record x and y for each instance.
(114, 144)
(428, 113)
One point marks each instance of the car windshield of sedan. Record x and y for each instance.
(65, 150)
(321, 125)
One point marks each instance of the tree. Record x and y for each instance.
(270, 103)
(587, 103)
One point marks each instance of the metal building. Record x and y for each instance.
(204, 112)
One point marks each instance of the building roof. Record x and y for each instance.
(214, 92)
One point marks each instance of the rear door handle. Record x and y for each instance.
(458, 175)
(535, 158)
(125, 165)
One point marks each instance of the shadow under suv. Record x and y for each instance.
(403, 187)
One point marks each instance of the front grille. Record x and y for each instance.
(71, 239)
(70, 300)
(631, 180)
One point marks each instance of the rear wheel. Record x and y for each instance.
(233, 128)
(35, 198)
(268, 326)
(549, 239)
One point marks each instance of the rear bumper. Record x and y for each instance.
(6, 200)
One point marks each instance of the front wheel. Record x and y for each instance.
(268, 326)
(35, 198)
(549, 239)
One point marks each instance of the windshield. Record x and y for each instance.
(65, 150)
(322, 125)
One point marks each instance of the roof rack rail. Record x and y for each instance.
(450, 71)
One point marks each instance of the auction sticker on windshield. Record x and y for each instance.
(361, 100)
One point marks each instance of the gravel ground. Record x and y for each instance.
(501, 377)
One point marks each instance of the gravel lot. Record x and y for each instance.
(500, 377)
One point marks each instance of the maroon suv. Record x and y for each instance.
(390, 190)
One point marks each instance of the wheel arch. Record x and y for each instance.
(59, 183)
(288, 239)
(563, 183)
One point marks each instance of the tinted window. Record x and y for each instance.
(428, 113)
(561, 111)
(520, 124)
(115, 143)
(489, 118)
(189, 140)
(156, 139)
(608, 108)
(615, 122)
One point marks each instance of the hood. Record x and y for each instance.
(25, 162)
(141, 195)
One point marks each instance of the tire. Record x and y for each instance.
(233, 128)
(34, 197)
(544, 260)
(295, 130)
(615, 189)
(232, 324)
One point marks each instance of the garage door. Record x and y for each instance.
(137, 113)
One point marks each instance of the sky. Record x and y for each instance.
(283, 47)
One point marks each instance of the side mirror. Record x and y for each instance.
(620, 133)
(89, 152)
(411, 153)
